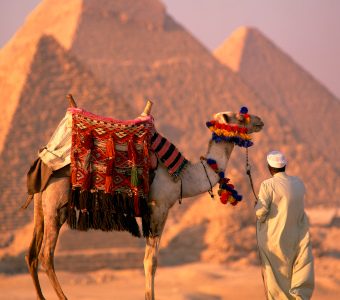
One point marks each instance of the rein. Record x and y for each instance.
(248, 171)
(210, 191)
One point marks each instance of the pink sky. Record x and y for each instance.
(307, 30)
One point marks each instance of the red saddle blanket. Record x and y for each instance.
(110, 165)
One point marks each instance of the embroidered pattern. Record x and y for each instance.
(109, 172)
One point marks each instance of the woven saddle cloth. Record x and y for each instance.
(110, 164)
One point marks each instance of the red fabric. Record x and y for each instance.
(105, 150)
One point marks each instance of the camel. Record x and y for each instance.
(50, 209)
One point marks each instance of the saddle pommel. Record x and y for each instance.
(71, 101)
(147, 109)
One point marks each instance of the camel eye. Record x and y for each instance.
(240, 118)
(226, 118)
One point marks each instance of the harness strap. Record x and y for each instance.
(248, 168)
(181, 193)
(210, 191)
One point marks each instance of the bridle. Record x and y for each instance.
(236, 135)
(248, 171)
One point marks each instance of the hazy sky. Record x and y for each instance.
(307, 30)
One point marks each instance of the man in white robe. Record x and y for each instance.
(283, 235)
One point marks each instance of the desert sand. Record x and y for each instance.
(83, 276)
(198, 281)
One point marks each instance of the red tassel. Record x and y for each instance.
(74, 168)
(134, 180)
(110, 155)
(87, 182)
(132, 152)
(87, 143)
(108, 184)
(146, 150)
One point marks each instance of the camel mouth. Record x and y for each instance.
(258, 126)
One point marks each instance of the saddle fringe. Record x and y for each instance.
(107, 212)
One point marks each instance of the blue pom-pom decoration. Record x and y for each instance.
(233, 139)
(211, 161)
(238, 197)
(244, 110)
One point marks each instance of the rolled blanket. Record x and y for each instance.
(169, 155)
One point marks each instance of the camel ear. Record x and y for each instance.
(226, 118)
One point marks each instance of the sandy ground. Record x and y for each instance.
(187, 282)
(195, 281)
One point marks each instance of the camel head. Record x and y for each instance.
(242, 119)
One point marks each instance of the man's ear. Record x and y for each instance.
(226, 118)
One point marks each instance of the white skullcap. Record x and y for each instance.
(276, 159)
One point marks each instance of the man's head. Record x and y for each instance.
(276, 162)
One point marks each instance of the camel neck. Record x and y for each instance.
(197, 179)
(220, 152)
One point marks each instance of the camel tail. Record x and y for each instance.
(27, 202)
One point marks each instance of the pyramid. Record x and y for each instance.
(112, 56)
(304, 103)
(17, 55)
(52, 74)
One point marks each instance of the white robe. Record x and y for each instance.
(283, 239)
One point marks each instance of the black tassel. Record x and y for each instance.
(145, 214)
(74, 199)
(132, 226)
(83, 221)
(96, 219)
(73, 203)
(84, 199)
(123, 222)
(104, 202)
(90, 212)
(129, 204)
(107, 212)
(143, 206)
(118, 222)
(91, 203)
(107, 222)
(118, 203)
(146, 227)
(72, 217)
(115, 197)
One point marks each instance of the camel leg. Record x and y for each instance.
(53, 200)
(33, 252)
(158, 218)
(150, 266)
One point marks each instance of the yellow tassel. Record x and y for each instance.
(134, 176)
